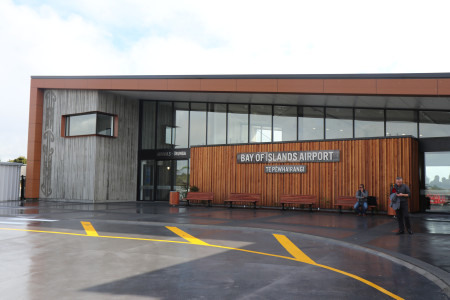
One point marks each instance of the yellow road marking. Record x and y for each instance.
(90, 230)
(377, 287)
(42, 231)
(362, 280)
(187, 236)
(293, 250)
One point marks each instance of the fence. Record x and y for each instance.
(10, 181)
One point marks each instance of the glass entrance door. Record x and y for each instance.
(159, 177)
(147, 180)
(163, 179)
(437, 180)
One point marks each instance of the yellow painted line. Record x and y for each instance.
(42, 231)
(362, 280)
(293, 250)
(187, 236)
(90, 230)
(142, 239)
(100, 236)
(200, 242)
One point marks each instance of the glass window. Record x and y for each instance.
(284, 123)
(237, 123)
(434, 123)
(89, 124)
(181, 124)
(339, 123)
(105, 124)
(260, 123)
(437, 180)
(310, 123)
(163, 179)
(148, 125)
(147, 180)
(369, 122)
(165, 130)
(197, 128)
(217, 124)
(181, 176)
(401, 122)
(80, 125)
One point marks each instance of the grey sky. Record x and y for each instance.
(144, 37)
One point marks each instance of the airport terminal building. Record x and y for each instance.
(136, 138)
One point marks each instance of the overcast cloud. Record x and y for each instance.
(143, 37)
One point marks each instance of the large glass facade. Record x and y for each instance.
(148, 124)
(173, 125)
(181, 125)
(339, 123)
(165, 130)
(260, 123)
(401, 122)
(434, 123)
(284, 123)
(369, 123)
(237, 123)
(217, 124)
(310, 123)
(197, 125)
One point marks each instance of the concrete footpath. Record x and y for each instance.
(149, 250)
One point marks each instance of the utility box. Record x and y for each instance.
(10, 181)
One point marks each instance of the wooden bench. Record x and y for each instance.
(199, 196)
(243, 197)
(344, 201)
(298, 199)
(372, 203)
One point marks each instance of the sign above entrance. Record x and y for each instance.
(285, 169)
(289, 157)
(172, 154)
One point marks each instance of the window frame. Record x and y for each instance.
(65, 125)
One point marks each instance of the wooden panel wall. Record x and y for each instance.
(92, 168)
(115, 163)
(70, 173)
(373, 162)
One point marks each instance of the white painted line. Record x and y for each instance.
(14, 223)
(33, 220)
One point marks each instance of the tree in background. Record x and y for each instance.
(20, 159)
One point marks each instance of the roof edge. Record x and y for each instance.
(262, 76)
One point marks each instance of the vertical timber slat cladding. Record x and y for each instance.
(372, 162)
(116, 167)
(90, 168)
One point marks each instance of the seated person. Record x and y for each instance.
(361, 203)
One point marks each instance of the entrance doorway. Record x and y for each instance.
(160, 177)
(437, 180)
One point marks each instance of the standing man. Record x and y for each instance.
(403, 193)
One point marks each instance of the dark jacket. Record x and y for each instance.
(402, 189)
(362, 197)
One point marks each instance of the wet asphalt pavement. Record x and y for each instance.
(142, 250)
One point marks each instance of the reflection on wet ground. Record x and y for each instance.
(146, 269)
